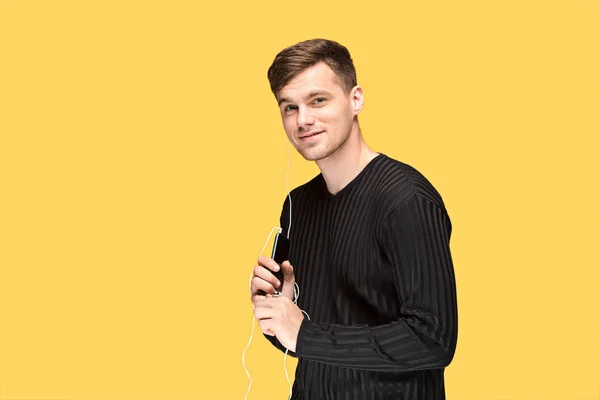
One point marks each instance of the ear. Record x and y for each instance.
(357, 99)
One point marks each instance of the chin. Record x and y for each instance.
(315, 154)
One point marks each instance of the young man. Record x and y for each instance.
(369, 246)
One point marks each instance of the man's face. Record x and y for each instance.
(317, 115)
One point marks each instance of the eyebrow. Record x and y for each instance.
(308, 96)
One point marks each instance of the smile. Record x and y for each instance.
(310, 135)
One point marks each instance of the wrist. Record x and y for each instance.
(300, 337)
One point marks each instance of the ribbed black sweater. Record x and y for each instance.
(376, 277)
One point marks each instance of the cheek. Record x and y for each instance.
(337, 115)
(327, 114)
(289, 128)
(287, 123)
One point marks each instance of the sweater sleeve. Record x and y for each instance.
(415, 240)
(275, 342)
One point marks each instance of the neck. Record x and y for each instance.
(341, 167)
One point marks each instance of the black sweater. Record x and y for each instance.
(376, 277)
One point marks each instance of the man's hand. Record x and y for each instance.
(264, 282)
(279, 316)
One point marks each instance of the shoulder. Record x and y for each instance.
(398, 182)
(403, 187)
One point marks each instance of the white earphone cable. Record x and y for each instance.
(296, 289)
(253, 317)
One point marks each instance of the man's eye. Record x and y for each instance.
(289, 108)
(319, 100)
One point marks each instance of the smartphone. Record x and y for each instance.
(281, 253)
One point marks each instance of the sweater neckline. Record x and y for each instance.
(370, 165)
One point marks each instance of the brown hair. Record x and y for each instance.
(295, 59)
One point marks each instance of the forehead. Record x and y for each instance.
(318, 76)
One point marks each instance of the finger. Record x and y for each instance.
(288, 280)
(266, 275)
(288, 270)
(256, 298)
(265, 313)
(259, 284)
(267, 302)
(265, 326)
(269, 263)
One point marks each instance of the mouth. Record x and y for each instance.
(310, 135)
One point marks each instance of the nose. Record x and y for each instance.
(305, 117)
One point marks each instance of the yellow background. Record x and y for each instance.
(142, 165)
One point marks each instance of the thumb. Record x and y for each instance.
(288, 280)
